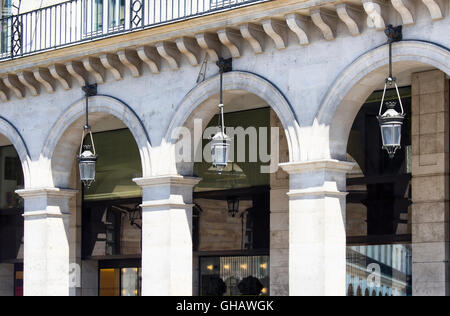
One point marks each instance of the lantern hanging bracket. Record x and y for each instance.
(89, 90)
(394, 35)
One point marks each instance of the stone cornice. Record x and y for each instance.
(329, 165)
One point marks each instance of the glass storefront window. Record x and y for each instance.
(379, 206)
(18, 280)
(379, 270)
(379, 199)
(234, 276)
(11, 205)
(120, 282)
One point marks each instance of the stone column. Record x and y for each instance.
(317, 239)
(430, 183)
(46, 241)
(6, 279)
(279, 218)
(167, 235)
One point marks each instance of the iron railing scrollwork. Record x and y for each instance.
(79, 21)
(137, 13)
(16, 36)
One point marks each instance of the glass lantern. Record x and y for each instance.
(220, 149)
(391, 123)
(87, 161)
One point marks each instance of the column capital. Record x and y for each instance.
(167, 192)
(319, 178)
(330, 165)
(177, 180)
(37, 202)
(47, 192)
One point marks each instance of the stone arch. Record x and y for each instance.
(203, 95)
(63, 140)
(361, 78)
(8, 130)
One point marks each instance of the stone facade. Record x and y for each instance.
(430, 220)
(313, 62)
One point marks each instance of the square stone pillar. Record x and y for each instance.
(317, 238)
(167, 235)
(46, 241)
(6, 279)
(430, 183)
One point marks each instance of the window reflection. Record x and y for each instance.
(369, 273)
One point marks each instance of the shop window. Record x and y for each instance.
(11, 205)
(233, 244)
(232, 276)
(379, 205)
(120, 278)
(18, 279)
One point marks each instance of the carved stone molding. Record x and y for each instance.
(45, 78)
(232, 41)
(254, 34)
(131, 60)
(190, 48)
(112, 63)
(325, 21)
(170, 53)
(210, 42)
(150, 57)
(277, 31)
(28, 80)
(299, 24)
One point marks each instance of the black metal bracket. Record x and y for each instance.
(394, 33)
(90, 90)
(225, 65)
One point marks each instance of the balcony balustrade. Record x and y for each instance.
(80, 21)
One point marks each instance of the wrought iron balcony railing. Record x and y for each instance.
(79, 21)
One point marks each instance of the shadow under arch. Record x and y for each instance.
(8, 130)
(63, 140)
(203, 94)
(355, 84)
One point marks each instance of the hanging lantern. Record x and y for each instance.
(391, 121)
(87, 161)
(233, 206)
(87, 157)
(220, 145)
(220, 149)
(391, 128)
